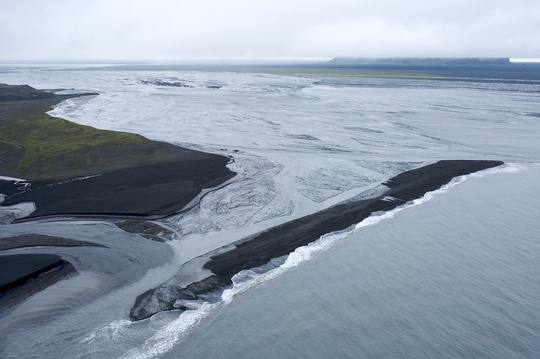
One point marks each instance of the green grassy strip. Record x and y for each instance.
(31, 141)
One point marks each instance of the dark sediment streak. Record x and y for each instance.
(79, 171)
(34, 239)
(19, 269)
(26, 274)
(23, 275)
(146, 229)
(259, 249)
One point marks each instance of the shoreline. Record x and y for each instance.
(281, 240)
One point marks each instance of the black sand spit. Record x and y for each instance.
(259, 249)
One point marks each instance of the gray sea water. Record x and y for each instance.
(452, 275)
(455, 277)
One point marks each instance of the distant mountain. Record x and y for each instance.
(412, 61)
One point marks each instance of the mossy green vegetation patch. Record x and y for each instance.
(35, 145)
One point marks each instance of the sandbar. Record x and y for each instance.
(259, 249)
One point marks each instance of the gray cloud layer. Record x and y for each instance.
(167, 29)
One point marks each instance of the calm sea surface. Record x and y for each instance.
(457, 276)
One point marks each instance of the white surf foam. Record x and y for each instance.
(171, 334)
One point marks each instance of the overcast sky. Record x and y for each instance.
(207, 29)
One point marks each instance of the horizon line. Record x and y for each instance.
(240, 60)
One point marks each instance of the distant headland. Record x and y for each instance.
(420, 61)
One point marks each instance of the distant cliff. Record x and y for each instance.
(412, 61)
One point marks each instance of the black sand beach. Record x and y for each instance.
(259, 249)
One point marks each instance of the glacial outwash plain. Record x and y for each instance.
(139, 201)
(66, 169)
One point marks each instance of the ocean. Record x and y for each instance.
(454, 274)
